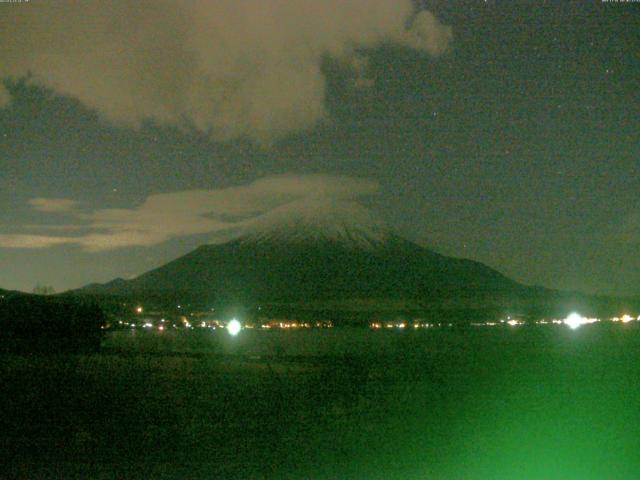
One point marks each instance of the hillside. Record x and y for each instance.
(337, 258)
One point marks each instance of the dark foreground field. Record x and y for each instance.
(504, 403)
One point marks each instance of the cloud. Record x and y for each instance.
(32, 241)
(427, 33)
(231, 68)
(5, 98)
(223, 212)
(629, 230)
(53, 205)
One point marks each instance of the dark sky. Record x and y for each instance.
(504, 132)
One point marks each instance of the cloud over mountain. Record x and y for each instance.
(231, 68)
(51, 205)
(226, 211)
(5, 98)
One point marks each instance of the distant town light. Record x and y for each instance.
(138, 309)
(575, 320)
(234, 327)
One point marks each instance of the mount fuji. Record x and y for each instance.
(336, 256)
(315, 252)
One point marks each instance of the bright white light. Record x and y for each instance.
(234, 327)
(626, 318)
(575, 320)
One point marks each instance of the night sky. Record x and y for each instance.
(505, 132)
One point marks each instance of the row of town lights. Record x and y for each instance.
(573, 321)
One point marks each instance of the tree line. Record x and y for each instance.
(49, 324)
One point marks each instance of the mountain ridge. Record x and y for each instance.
(314, 254)
(304, 269)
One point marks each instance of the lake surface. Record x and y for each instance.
(542, 402)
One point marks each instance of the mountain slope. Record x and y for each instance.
(340, 259)
(305, 267)
(331, 253)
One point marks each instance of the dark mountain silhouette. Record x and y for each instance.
(265, 271)
(336, 257)
(319, 261)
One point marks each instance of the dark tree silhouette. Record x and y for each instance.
(49, 324)
(43, 290)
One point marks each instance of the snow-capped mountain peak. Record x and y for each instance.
(347, 223)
